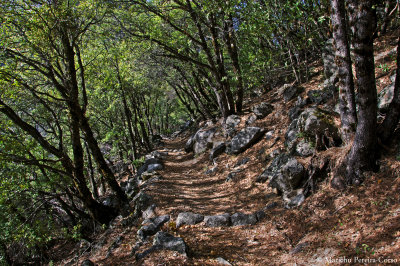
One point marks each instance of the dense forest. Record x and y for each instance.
(88, 87)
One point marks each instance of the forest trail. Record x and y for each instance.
(185, 185)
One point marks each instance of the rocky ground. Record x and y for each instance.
(255, 190)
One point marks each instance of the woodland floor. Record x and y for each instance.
(361, 222)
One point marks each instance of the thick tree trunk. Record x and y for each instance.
(98, 211)
(392, 118)
(71, 86)
(343, 60)
(362, 156)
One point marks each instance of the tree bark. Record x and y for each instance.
(230, 42)
(362, 156)
(91, 174)
(347, 104)
(71, 85)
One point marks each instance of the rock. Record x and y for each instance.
(160, 220)
(232, 121)
(146, 231)
(230, 176)
(117, 242)
(153, 227)
(242, 161)
(188, 218)
(131, 185)
(270, 206)
(319, 96)
(292, 135)
(217, 150)
(189, 144)
(203, 140)
(111, 201)
(243, 219)
(251, 119)
(299, 248)
(169, 242)
(229, 132)
(222, 261)
(156, 154)
(275, 153)
(211, 171)
(304, 149)
(141, 202)
(385, 97)
(294, 112)
(302, 102)
(217, 220)
(262, 110)
(87, 262)
(293, 199)
(260, 215)
(154, 167)
(291, 91)
(147, 163)
(149, 212)
(146, 176)
(269, 135)
(245, 139)
(284, 173)
(314, 126)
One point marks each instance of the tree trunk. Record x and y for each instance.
(128, 115)
(343, 60)
(91, 174)
(231, 46)
(392, 118)
(389, 5)
(362, 156)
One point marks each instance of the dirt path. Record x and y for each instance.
(186, 187)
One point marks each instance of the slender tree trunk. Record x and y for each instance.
(67, 209)
(363, 154)
(343, 60)
(392, 118)
(91, 174)
(230, 41)
(389, 5)
(220, 92)
(128, 115)
(185, 103)
(210, 100)
(221, 75)
(194, 100)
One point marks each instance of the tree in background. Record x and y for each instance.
(359, 128)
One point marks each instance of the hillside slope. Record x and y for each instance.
(358, 225)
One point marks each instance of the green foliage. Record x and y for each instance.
(142, 68)
(384, 67)
(138, 162)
